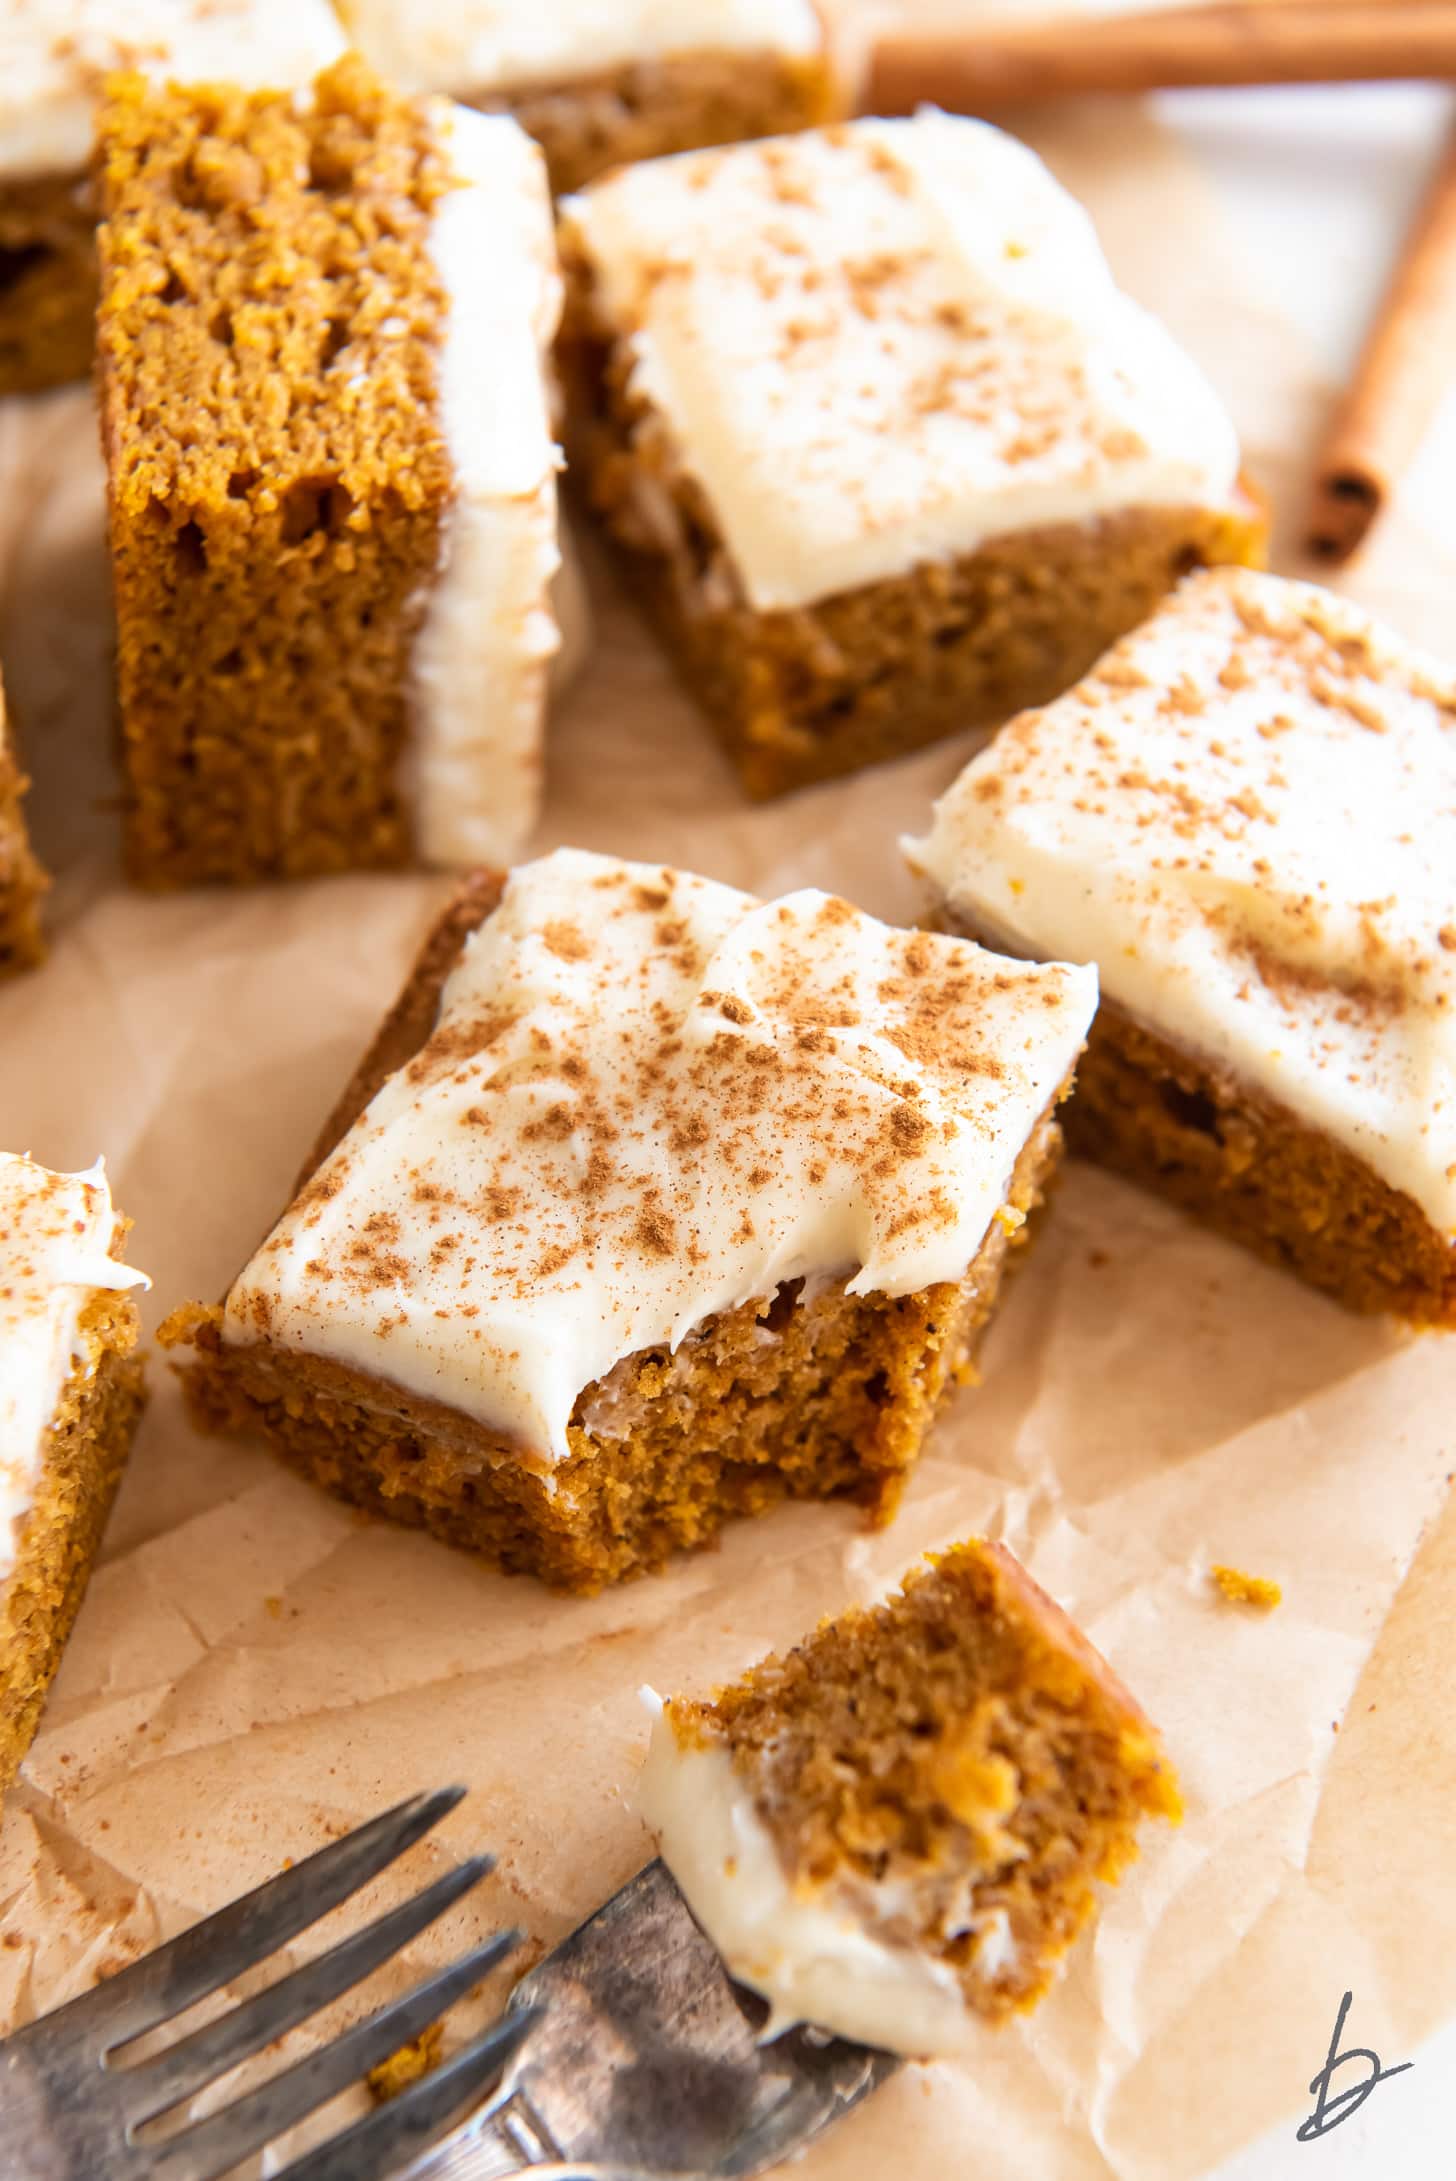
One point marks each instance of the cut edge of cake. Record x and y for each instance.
(349, 474)
(897, 1830)
(56, 1507)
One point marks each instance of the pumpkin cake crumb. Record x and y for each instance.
(1242, 1589)
(409, 2065)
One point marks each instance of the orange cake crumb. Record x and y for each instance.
(1241, 1589)
(408, 2065)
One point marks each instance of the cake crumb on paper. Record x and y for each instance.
(1251, 1590)
(407, 2065)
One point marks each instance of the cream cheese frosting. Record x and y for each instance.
(812, 1952)
(56, 1240)
(649, 1098)
(56, 54)
(471, 47)
(1246, 817)
(883, 343)
(482, 654)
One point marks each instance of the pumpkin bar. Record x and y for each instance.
(652, 1204)
(896, 1830)
(884, 450)
(598, 86)
(54, 57)
(331, 472)
(22, 881)
(70, 1396)
(1246, 817)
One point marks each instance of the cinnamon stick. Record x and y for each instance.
(972, 66)
(1408, 362)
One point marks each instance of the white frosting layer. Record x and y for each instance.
(470, 47)
(883, 344)
(1246, 816)
(55, 1253)
(482, 655)
(650, 1098)
(55, 55)
(809, 1953)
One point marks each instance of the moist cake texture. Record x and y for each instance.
(896, 1830)
(887, 451)
(70, 1395)
(54, 58)
(22, 882)
(653, 1203)
(1246, 816)
(331, 476)
(600, 86)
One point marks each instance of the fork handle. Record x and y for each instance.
(30, 2142)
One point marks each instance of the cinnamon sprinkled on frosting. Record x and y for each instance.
(885, 342)
(1246, 815)
(649, 1098)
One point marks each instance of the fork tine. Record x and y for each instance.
(375, 2148)
(184, 2068)
(244, 1933)
(215, 2145)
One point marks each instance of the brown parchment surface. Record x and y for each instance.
(257, 1668)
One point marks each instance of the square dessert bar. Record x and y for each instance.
(332, 499)
(22, 882)
(885, 450)
(651, 1204)
(70, 1396)
(896, 1830)
(598, 86)
(1246, 817)
(54, 56)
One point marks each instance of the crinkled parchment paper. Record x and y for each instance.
(256, 1667)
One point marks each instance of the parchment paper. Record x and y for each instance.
(257, 1668)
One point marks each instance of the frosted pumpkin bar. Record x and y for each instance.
(652, 1204)
(332, 561)
(896, 1830)
(600, 85)
(886, 451)
(70, 1396)
(1246, 817)
(54, 58)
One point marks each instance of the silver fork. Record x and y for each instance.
(73, 2109)
(629, 2052)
